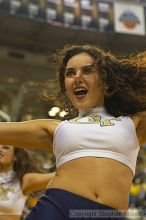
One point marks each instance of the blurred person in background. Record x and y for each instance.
(18, 180)
(135, 192)
(97, 148)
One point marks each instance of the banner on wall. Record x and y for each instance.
(91, 15)
(53, 12)
(71, 13)
(129, 19)
(105, 16)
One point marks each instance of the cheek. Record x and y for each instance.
(9, 158)
(67, 84)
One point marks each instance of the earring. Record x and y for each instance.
(106, 87)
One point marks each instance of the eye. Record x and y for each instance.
(5, 147)
(69, 73)
(88, 69)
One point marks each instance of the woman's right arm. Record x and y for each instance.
(28, 134)
(36, 181)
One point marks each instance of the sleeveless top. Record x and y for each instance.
(96, 133)
(12, 199)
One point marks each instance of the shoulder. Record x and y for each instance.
(54, 123)
(49, 124)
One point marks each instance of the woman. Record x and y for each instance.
(17, 181)
(96, 151)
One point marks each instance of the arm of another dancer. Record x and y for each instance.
(29, 134)
(36, 181)
(141, 128)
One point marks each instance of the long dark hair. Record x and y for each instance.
(24, 163)
(125, 79)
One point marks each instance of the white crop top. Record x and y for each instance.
(12, 199)
(97, 134)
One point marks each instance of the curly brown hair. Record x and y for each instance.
(125, 79)
(24, 163)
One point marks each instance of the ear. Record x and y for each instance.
(101, 85)
(106, 89)
(14, 158)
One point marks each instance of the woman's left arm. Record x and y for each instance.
(36, 182)
(141, 128)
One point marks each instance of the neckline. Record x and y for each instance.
(7, 178)
(97, 110)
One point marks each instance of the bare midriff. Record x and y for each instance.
(102, 180)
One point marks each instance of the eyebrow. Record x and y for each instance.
(71, 68)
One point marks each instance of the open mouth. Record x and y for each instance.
(80, 91)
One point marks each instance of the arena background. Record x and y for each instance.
(32, 30)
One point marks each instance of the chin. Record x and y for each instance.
(84, 107)
(85, 104)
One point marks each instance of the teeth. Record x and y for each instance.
(80, 89)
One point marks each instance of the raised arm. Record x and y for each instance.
(28, 134)
(36, 181)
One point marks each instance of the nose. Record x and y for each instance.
(78, 74)
(78, 79)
